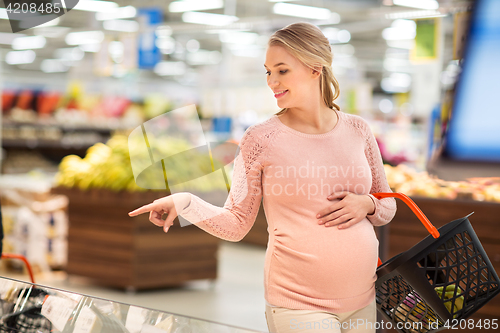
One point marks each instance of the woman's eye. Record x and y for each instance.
(284, 71)
(268, 72)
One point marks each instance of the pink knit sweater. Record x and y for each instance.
(307, 266)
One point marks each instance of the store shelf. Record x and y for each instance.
(46, 144)
(98, 125)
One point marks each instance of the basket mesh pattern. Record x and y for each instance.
(402, 304)
(28, 319)
(455, 276)
(459, 263)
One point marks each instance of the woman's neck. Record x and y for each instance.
(311, 120)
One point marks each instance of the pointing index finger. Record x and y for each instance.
(142, 210)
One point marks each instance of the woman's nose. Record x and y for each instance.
(272, 82)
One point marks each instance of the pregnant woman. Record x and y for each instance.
(314, 169)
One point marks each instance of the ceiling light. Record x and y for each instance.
(347, 50)
(51, 23)
(50, 32)
(406, 44)
(208, 18)
(96, 6)
(246, 50)
(119, 13)
(20, 57)
(192, 5)
(336, 36)
(414, 14)
(400, 29)
(344, 36)
(302, 11)
(396, 82)
(3, 14)
(69, 54)
(204, 57)
(29, 42)
(192, 45)
(404, 24)
(330, 33)
(166, 45)
(170, 68)
(397, 34)
(8, 38)
(397, 65)
(116, 48)
(84, 37)
(238, 37)
(232, 28)
(422, 4)
(385, 105)
(90, 47)
(53, 66)
(397, 53)
(163, 31)
(121, 25)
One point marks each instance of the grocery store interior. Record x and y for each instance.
(77, 86)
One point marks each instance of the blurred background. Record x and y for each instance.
(421, 72)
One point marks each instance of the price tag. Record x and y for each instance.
(74, 297)
(105, 307)
(5, 287)
(85, 321)
(166, 324)
(58, 310)
(135, 319)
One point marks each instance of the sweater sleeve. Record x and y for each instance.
(235, 219)
(385, 208)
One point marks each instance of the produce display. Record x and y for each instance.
(406, 180)
(108, 166)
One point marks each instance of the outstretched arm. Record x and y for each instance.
(232, 221)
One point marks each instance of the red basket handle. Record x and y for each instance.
(421, 216)
(23, 258)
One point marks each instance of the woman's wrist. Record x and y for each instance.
(182, 200)
(371, 205)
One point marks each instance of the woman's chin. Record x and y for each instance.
(282, 105)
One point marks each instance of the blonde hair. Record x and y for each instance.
(308, 44)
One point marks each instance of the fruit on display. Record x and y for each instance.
(415, 311)
(109, 166)
(449, 294)
(406, 180)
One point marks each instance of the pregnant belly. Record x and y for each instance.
(326, 263)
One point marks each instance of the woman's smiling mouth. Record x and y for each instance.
(279, 94)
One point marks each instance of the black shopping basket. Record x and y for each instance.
(441, 280)
(20, 310)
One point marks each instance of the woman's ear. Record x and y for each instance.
(316, 71)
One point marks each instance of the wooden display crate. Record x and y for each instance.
(113, 249)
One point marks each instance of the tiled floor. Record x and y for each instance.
(235, 298)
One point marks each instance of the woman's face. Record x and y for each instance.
(290, 80)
